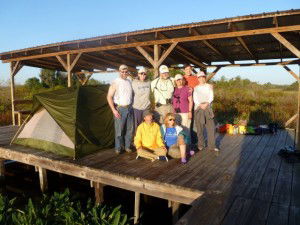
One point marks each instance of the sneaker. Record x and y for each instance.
(117, 151)
(163, 158)
(128, 150)
(192, 153)
(214, 149)
(183, 161)
(200, 148)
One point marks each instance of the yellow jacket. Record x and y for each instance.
(148, 136)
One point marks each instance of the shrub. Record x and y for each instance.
(59, 209)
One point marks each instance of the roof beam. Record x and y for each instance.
(167, 41)
(208, 44)
(292, 73)
(146, 55)
(290, 62)
(185, 53)
(233, 28)
(212, 74)
(287, 44)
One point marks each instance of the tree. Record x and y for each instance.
(33, 83)
(48, 78)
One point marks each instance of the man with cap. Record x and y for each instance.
(141, 96)
(148, 140)
(203, 96)
(119, 98)
(162, 88)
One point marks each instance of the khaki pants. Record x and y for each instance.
(174, 150)
(151, 154)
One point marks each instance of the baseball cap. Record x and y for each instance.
(123, 67)
(163, 69)
(178, 77)
(142, 70)
(201, 74)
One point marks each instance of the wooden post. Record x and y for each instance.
(156, 58)
(175, 212)
(15, 66)
(137, 197)
(98, 192)
(69, 70)
(2, 169)
(298, 120)
(12, 96)
(43, 179)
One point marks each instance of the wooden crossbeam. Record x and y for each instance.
(146, 55)
(212, 74)
(213, 48)
(294, 117)
(233, 28)
(292, 73)
(167, 41)
(166, 53)
(185, 53)
(62, 62)
(287, 44)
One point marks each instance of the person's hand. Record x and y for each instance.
(164, 148)
(203, 106)
(117, 114)
(190, 115)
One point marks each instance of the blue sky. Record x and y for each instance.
(27, 23)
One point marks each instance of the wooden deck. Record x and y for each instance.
(246, 183)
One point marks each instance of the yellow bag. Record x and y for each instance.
(242, 129)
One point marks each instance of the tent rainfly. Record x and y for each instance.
(72, 121)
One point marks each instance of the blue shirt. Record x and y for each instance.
(170, 136)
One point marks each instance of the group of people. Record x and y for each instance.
(179, 104)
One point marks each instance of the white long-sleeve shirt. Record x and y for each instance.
(162, 89)
(203, 93)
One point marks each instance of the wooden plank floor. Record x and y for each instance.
(246, 183)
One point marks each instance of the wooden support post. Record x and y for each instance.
(2, 169)
(298, 120)
(68, 66)
(137, 197)
(156, 58)
(99, 198)
(175, 212)
(15, 67)
(43, 179)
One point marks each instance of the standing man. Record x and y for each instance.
(141, 96)
(119, 98)
(162, 88)
(204, 117)
(191, 80)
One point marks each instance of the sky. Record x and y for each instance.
(28, 23)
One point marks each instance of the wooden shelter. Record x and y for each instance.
(254, 38)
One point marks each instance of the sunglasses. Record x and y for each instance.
(124, 71)
(142, 73)
(179, 79)
(171, 119)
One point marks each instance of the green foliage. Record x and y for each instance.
(52, 78)
(59, 209)
(33, 83)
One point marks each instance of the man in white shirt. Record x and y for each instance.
(119, 98)
(162, 88)
(204, 117)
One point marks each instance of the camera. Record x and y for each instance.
(177, 110)
(168, 101)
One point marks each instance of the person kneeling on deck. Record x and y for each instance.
(119, 98)
(148, 140)
(204, 117)
(175, 138)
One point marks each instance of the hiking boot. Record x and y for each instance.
(128, 150)
(200, 149)
(163, 158)
(117, 151)
(214, 149)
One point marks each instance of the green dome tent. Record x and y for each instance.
(72, 121)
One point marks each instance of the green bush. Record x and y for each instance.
(59, 209)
